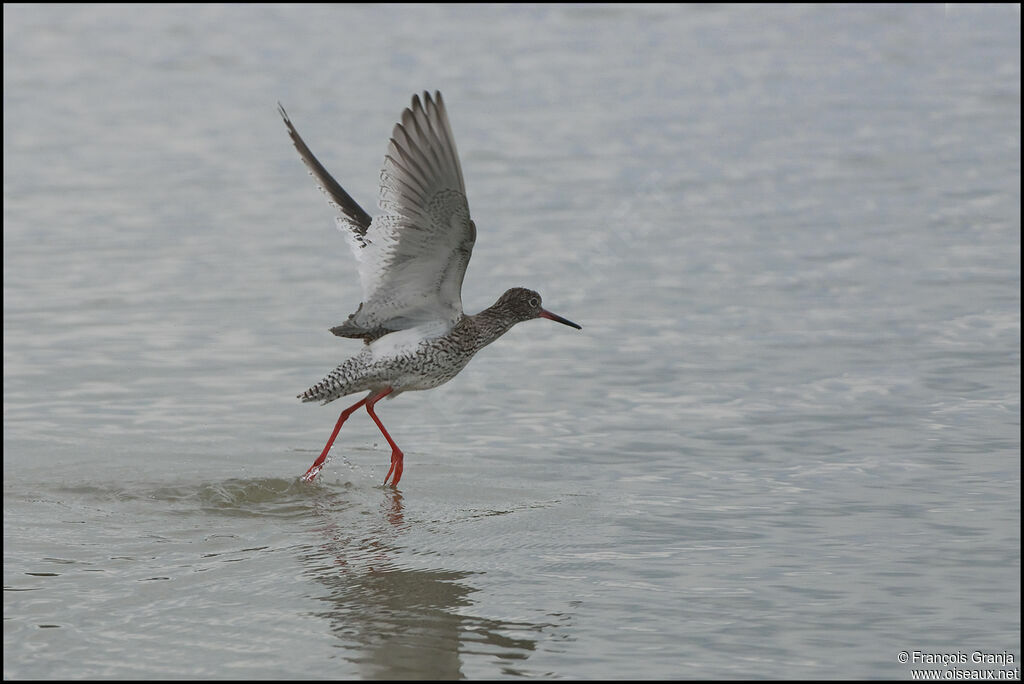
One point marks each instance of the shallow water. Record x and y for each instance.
(786, 442)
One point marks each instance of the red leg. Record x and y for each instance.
(319, 463)
(396, 453)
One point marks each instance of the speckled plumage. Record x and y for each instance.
(412, 260)
(427, 362)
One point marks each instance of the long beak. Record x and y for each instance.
(558, 319)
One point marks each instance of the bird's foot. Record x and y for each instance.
(396, 468)
(312, 473)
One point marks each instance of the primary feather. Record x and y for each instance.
(412, 259)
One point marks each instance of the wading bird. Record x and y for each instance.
(412, 260)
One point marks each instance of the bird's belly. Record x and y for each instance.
(428, 365)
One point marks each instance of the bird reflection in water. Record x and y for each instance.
(395, 620)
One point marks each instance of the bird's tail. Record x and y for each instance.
(347, 378)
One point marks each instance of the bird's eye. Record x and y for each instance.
(534, 302)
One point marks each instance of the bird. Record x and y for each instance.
(411, 261)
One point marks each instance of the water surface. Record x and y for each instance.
(786, 442)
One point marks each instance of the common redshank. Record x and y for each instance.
(412, 260)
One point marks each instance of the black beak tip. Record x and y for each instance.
(558, 319)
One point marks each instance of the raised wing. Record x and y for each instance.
(412, 260)
(357, 220)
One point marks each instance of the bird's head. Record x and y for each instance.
(523, 304)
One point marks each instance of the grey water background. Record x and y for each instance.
(786, 442)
